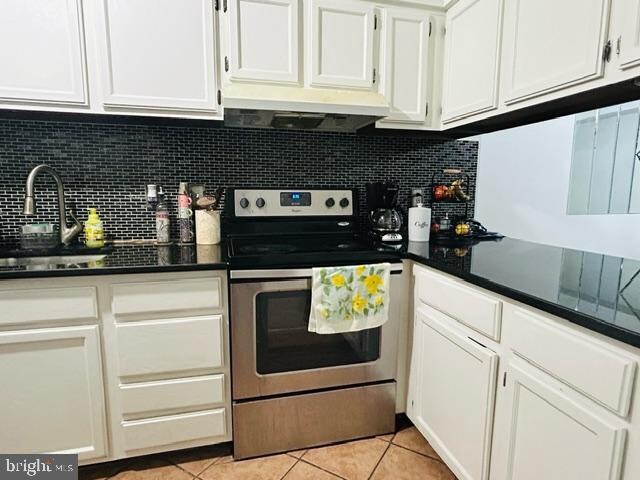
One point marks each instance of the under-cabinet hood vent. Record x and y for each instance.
(259, 106)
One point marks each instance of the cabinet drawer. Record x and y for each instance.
(48, 305)
(178, 394)
(174, 429)
(467, 305)
(168, 296)
(168, 346)
(589, 366)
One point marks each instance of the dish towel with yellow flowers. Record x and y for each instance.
(349, 299)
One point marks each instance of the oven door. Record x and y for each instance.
(274, 353)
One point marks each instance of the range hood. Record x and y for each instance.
(322, 109)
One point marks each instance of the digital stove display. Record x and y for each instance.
(295, 199)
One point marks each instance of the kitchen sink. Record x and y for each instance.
(50, 262)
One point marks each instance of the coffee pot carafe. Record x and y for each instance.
(385, 219)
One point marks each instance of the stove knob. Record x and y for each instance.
(330, 202)
(244, 203)
(260, 202)
(344, 203)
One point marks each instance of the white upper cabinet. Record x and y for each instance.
(406, 58)
(341, 43)
(545, 434)
(472, 46)
(630, 34)
(451, 393)
(52, 393)
(264, 39)
(550, 45)
(157, 54)
(42, 55)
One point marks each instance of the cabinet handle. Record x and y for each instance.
(224, 6)
(430, 27)
(374, 75)
(226, 63)
(219, 97)
(618, 41)
(606, 51)
(504, 379)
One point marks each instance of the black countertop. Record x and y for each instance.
(599, 292)
(124, 259)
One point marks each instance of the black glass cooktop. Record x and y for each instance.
(306, 250)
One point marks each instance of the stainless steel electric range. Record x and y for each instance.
(291, 388)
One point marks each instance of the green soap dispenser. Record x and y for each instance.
(93, 230)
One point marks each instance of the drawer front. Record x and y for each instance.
(591, 367)
(174, 429)
(37, 305)
(179, 394)
(170, 346)
(281, 424)
(166, 297)
(470, 307)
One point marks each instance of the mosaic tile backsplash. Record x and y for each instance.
(107, 166)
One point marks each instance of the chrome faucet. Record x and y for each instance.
(67, 234)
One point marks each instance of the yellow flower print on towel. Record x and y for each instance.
(371, 283)
(360, 270)
(338, 280)
(378, 300)
(358, 303)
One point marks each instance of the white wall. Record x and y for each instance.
(523, 183)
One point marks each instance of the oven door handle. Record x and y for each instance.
(287, 273)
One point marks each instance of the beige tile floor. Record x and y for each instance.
(405, 455)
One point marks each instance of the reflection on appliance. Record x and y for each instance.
(294, 389)
(284, 344)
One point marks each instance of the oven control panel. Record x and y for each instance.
(288, 203)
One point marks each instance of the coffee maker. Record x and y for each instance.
(385, 219)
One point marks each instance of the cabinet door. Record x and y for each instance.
(52, 393)
(550, 45)
(264, 40)
(545, 434)
(158, 54)
(472, 45)
(341, 42)
(42, 54)
(406, 58)
(630, 34)
(451, 393)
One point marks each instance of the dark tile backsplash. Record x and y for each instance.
(107, 166)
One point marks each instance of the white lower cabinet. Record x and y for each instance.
(544, 434)
(52, 396)
(149, 349)
(167, 361)
(544, 400)
(451, 392)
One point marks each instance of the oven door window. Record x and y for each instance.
(284, 343)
